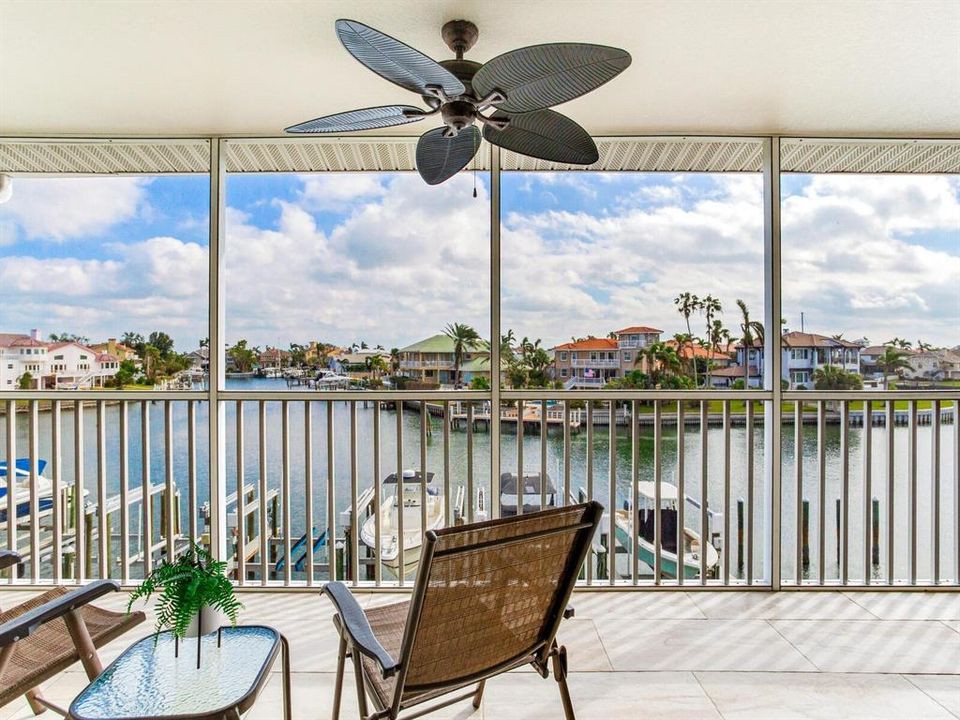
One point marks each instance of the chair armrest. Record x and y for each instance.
(355, 624)
(8, 558)
(27, 623)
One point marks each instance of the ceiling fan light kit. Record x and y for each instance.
(509, 96)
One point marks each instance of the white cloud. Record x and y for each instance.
(340, 191)
(60, 209)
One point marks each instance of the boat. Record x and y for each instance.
(693, 544)
(329, 380)
(414, 490)
(536, 495)
(21, 484)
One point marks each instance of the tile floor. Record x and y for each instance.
(660, 656)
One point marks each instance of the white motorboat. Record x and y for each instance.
(693, 545)
(537, 494)
(414, 492)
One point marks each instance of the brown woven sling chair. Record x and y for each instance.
(47, 634)
(488, 598)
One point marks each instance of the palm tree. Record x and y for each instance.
(394, 360)
(892, 361)
(662, 360)
(900, 343)
(924, 346)
(687, 304)
(711, 307)
(377, 365)
(464, 337)
(752, 332)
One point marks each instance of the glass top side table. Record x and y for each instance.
(149, 681)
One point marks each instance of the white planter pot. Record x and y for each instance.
(210, 621)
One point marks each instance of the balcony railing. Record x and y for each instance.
(110, 484)
(587, 362)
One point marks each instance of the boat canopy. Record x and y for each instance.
(648, 489)
(531, 484)
(409, 476)
(22, 467)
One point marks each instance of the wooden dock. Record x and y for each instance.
(460, 416)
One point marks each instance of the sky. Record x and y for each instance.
(385, 259)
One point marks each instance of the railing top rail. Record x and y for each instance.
(74, 395)
(863, 395)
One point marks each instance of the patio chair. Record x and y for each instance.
(488, 598)
(47, 634)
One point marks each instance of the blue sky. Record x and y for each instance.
(386, 259)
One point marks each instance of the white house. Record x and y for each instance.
(19, 355)
(803, 355)
(933, 365)
(52, 365)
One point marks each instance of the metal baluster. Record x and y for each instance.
(331, 497)
(657, 494)
(634, 491)
(914, 506)
(285, 494)
(845, 501)
(103, 544)
(726, 492)
(170, 491)
(447, 517)
(750, 528)
(798, 472)
(867, 490)
(124, 493)
(80, 539)
(519, 458)
(377, 496)
(399, 496)
(192, 469)
(681, 493)
(34, 494)
(543, 454)
(56, 479)
(590, 559)
(566, 452)
(354, 491)
(241, 501)
(612, 530)
(264, 535)
(956, 492)
(470, 491)
(424, 419)
(890, 419)
(704, 491)
(822, 490)
(935, 491)
(146, 498)
(11, 473)
(308, 487)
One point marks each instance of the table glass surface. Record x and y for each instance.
(147, 680)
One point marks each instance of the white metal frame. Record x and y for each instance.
(217, 396)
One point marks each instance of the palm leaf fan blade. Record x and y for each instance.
(395, 61)
(439, 157)
(540, 76)
(546, 135)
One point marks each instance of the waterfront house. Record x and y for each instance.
(432, 361)
(869, 356)
(118, 350)
(52, 365)
(933, 365)
(592, 362)
(273, 358)
(21, 354)
(804, 354)
(725, 377)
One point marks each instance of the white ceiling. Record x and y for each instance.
(252, 67)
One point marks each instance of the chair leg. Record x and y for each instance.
(33, 700)
(478, 696)
(560, 673)
(338, 687)
(361, 692)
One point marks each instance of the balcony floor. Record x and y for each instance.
(695, 655)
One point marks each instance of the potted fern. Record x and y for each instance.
(194, 595)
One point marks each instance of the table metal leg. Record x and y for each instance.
(286, 679)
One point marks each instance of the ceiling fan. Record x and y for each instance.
(519, 86)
